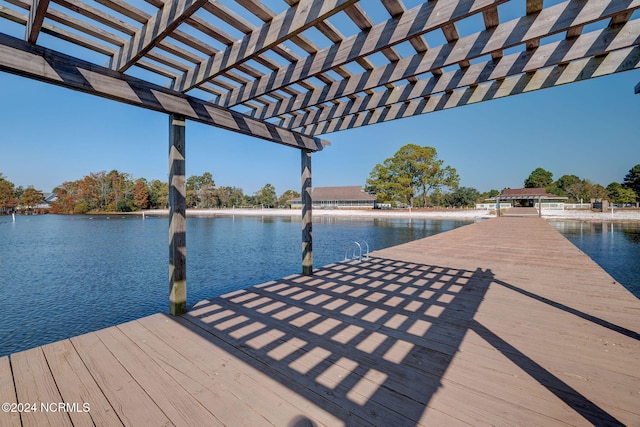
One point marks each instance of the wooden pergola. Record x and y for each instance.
(289, 70)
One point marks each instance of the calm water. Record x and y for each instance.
(63, 276)
(615, 246)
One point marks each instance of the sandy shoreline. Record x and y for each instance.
(468, 214)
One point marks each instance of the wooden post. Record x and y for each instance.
(540, 206)
(177, 216)
(498, 205)
(307, 252)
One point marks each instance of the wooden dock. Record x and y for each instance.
(503, 322)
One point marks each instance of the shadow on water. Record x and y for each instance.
(369, 342)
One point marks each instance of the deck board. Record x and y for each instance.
(8, 393)
(502, 322)
(76, 385)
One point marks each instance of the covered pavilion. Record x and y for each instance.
(289, 71)
(527, 197)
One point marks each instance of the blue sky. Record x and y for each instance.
(590, 129)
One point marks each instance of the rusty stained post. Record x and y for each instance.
(307, 241)
(177, 216)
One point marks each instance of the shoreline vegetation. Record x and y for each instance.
(464, 214)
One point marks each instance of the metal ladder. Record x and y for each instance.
(354, 251)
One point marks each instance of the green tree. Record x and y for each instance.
(563, 186)
(201, 191)
(613, 190)
(626, 195)
(539, 178)
(385, 187)
(266, 196)
(586, 190)
(462, 197)
(230, 196)
(565, 180)
(412, 170)
(617, 193)
(286, 197)
(632, 179)
(158, 194)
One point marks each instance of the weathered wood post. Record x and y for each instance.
(498, 205)
(307, 252)
(540, 206)
(177, 216)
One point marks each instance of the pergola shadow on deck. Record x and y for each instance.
(291, 74)
(517, 330)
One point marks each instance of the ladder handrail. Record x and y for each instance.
(357, 245)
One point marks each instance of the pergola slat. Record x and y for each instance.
(414, 22)
(43, 64)
(281, 28)
(586, 45)
(262, 69)
(157, 28)
(583, 69)
(36, 18)
(552, 20)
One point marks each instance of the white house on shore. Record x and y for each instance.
(348, 197)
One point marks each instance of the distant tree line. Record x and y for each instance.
(119, 192)
(578, 189)
(415, 177)
(12, 197)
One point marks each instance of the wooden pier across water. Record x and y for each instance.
(503, 322)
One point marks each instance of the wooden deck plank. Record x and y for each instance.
(76, 385)
(176, 403)
(189, 369)
(424, 365)
(435, 363)
(497, 323)
(7, 394)
(248, 382)
(130, 401)
(35, 386)
(318, 374)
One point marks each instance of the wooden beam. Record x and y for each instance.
(307, 221)
(167, 19)
(36, 18)
(584, 69)
(586, 45)
(177, 216)
(533, 7)
(414, 22)
(282, 27)
(21, 58)
(551, 20)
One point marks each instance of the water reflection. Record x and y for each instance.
(615, 246)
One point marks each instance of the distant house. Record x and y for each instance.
(525, 197)
(46, 204)
(349, 197)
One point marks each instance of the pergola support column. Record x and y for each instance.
(307, 244)
(177, 216)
